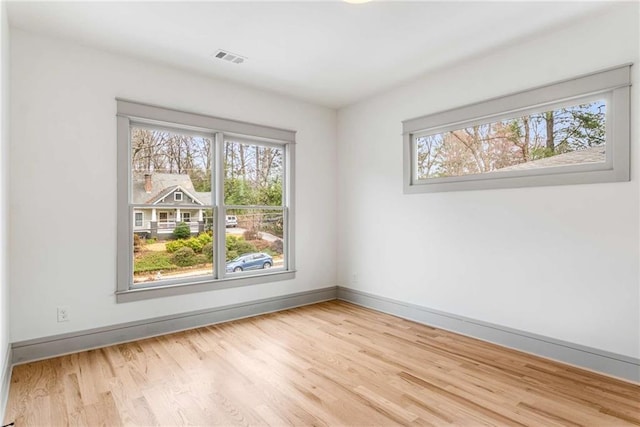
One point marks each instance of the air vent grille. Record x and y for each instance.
(229, 57)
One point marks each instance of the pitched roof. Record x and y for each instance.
(163, 184)
(205, 198)
(586, 155)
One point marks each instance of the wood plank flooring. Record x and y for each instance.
(328, 364)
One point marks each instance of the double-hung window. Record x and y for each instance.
(185, 173)
(572, 132)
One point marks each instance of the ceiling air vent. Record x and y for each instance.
(229, 57)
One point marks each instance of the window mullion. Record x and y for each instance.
(289, 203)
(125, 236)
(218, 189)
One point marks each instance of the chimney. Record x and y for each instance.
(147, 182)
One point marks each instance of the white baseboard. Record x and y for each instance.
(5, 382)
(616, 365)
(612, 364)
(44, 348)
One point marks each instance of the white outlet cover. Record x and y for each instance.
(63, 314)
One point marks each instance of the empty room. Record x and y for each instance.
(328, 213)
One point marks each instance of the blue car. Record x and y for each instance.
(252, 261)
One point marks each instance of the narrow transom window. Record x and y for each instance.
(572, 132)
(183, 176)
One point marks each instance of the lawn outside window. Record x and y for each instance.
(179, 176)
(571, 132)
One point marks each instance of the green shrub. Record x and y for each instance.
(174, 245)
(152, 261)
(195, 244)
(205, 238)
(184, 257)
(238, 246)
(207, 251)
(182, 231)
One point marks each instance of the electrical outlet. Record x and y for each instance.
(63, 314)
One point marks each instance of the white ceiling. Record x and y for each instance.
(330, 53)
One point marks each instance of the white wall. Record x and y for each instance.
(557, 261)
(63, 142)
(4, 213)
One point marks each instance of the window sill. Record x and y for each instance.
(188, 288)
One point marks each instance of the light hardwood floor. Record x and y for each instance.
(326, 364)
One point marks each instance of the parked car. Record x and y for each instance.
(231, 221)
(252, 261)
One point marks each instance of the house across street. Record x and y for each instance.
(171, 199)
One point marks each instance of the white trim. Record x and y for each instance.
(177, 188)
(57, 345)
(217, 177)
(612, 364)
(598, 82)
(135, 219)
(5, 381)
(607, 363)
(151, 114)
(176, 194)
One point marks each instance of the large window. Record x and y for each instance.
(182, 177)
(572, 132)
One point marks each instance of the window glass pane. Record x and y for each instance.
(170, 168)
(253, 174)
(254, 239)
(183, 254)
(171, 188)
(571, 135)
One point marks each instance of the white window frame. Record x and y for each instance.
(183, 215)
(611, 84)
(176, 198)
(281, 209)
(135, 220)
(136, 114)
